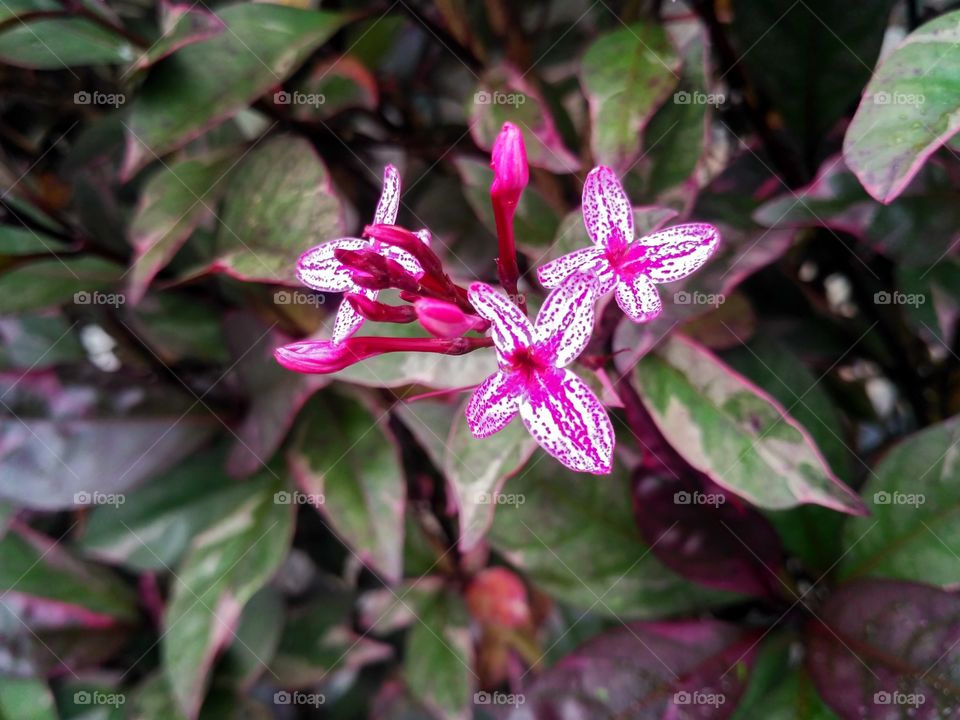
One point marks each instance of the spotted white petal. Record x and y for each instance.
(588, 259)
(674, 253)
(493, 404)
(639, 299)
(389, 204)
(569, 422)
(565, 323)
(348, 320)
(509, 327)
(607, 213)
(319, 269)
(409, 263)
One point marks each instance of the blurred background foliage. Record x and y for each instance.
(188, 530)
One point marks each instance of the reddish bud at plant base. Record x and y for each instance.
(444, 319)
(509, 162)
(496, 596)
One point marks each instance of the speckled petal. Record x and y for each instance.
(639, 299)
(565, 322)
(607, 213)
(319, 269)
(389, 204)
(493, 404)
(553, 273)
(510, 328)
(349, 320)
(569, 422)
(673, 253)
(409, 263)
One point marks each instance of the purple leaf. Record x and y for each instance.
(675, 670)
(707, 535)
(884, 649)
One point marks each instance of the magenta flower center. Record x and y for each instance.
(527, 362)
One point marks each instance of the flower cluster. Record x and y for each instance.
(533, 380)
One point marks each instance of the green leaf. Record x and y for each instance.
(734, 432)
(254, 642)
(58, 43)
(810, 60)
(477, 469)
(179, 327)
(503, 95)
(332, 86)
(408, 368)
(346, 462)
(279, 203)
(626, 75)
(911, 107)
(439, 657)
(203, 84)
(45, 283)
(535, 223)
(181, 25)
(174, 201)
(15, 241)
(55, 610)
(223, 568)
(914, 500)
(26, 699)
(553, 535)
(151, 530)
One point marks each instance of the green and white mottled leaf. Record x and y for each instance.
(174, 201)
(739, 436)
(347, 465)
(553, 536)
(910, 108)
(223, 568)
(197, 87)
(278, 204)
(626, 75)
(914, 500)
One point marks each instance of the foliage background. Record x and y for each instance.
(188, 530)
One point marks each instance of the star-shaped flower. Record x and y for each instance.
(319, 269)
(631, 267)
(558, 408)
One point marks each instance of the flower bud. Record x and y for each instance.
(496, 596)
(509, 162)
(444, 319)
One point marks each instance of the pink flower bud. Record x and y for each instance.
(444, 319)
(509, 162)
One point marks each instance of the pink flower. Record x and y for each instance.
(631, 267)
(319, 269)
(445, 319)
(325, 356)
(510, 176)
(558, 408)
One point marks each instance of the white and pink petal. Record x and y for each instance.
(674, 253)
(589, 259)
(565, 322)
(569, 422)
(639, 299)
(408, 261)
(493, 404)
(509, 327)
(607, 213)
(348, 320)
(319, 269)
(389, 204)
